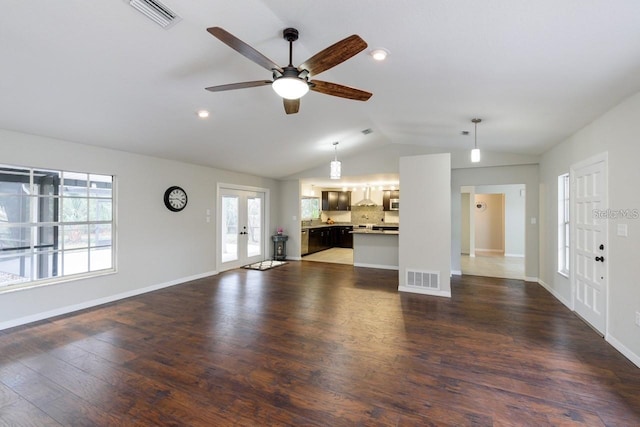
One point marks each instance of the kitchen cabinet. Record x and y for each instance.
(344, 238)
(322, 238)
(336, 200)
(387, 195)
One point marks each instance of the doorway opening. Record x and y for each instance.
(493, 231)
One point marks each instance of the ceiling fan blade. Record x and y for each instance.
(291, 106)
(242, 85)
(342, 91)
(243, 48)
(333, 55)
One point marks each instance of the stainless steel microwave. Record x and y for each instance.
(394, 204)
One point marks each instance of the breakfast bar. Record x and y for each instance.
(375, 248)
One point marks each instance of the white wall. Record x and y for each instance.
(465, 232)
(519, 174)
(155, 247)
(426, 217)
(616, 132)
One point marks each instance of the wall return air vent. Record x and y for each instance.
(156, 11)
(423, 279)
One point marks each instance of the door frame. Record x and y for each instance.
(601, 157)
(266, 238)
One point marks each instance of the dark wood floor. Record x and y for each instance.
(318, 344)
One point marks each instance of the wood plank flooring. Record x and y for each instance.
(318, 344)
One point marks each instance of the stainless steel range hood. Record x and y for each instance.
(367, 198)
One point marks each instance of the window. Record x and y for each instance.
(53, 225)
(310, 208)
(563, 225)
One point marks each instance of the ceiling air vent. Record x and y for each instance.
(156, 11)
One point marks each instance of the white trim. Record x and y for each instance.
(267, 220)
(497, 251)
(515, 255)
(381, 266)
(100, 301)
(456, 273)
(555, 294)
(411, 289)
(294, 258)
(634, 358)
(531, 279)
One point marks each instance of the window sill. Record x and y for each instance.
(49, 282)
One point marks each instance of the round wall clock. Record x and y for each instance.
(175, 198)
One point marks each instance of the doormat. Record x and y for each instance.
(264, 265)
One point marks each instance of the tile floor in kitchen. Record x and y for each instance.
(483, 264)
(334, 255)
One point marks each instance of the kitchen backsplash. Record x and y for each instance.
(367, 215)
(357, 215)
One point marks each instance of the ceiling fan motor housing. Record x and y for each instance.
(290, 34)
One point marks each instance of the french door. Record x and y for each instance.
(241, 227)
(589, 240)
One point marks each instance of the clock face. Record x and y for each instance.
(175, 199)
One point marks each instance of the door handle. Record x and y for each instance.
(600, 258)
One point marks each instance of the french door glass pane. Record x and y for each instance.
(229, 230)
(254, 219)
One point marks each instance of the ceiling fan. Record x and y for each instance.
(290, 82)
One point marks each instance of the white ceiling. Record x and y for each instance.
(100, 73)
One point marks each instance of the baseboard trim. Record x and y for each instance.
(495, 251)
(634, 358)
(456, 273)
(515, 255)
(531, 279)
(555, 294)
(411, 289)
(100, 301)
(294, 258)
(383, 267)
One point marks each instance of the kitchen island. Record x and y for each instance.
(375, 248)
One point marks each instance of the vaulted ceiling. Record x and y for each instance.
(101, 73)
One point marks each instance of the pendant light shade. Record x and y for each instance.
(335, 166)
(475, 153)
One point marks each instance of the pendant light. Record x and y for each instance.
(475, 153)
(336, 165)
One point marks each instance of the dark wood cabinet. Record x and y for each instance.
(387, 195)
(322, 238)
(344, 238)
(336, 200)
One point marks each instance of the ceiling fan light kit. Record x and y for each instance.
(290, 87)
(475, 153)
(291, 83)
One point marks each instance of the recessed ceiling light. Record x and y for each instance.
(203, 114)
(379, 54)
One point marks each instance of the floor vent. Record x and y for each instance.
(156, 11)
(423, 279)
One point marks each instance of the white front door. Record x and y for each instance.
(241, 228)
(589, 240)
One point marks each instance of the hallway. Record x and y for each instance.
(493, 265)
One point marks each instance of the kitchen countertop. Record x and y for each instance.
(343, 224)
(368, 231)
